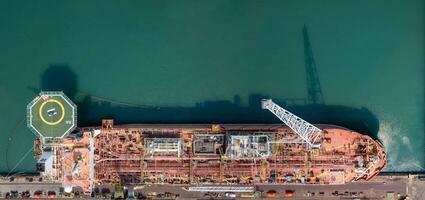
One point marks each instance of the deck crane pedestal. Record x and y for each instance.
(308, 132)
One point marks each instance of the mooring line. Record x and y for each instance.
(124, 103)
(20, 161)
(418, 166)
(9, 139)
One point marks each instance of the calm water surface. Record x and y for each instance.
(126, 59)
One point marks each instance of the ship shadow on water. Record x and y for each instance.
(92, 109)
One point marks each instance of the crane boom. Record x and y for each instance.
(308, 132)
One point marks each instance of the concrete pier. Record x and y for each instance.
(401, 186)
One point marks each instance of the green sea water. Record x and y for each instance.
(129, 59)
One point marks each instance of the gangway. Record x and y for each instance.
(221, 189)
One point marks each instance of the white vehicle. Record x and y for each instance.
(230, 194)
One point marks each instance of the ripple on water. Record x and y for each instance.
(400, 154)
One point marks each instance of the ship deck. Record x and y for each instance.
(218, 154)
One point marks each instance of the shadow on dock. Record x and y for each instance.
(92, 109)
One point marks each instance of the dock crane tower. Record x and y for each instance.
(308, 132)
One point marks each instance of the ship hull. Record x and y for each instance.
(216, 154)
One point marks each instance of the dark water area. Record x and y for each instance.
(356, 64)
(93, 109)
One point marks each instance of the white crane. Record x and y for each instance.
(305, 130)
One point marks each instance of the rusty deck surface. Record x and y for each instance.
(216, 154)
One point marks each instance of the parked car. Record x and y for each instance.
(38, 194)
(51, 194)
(271, 193)
(230, 194)
(290, 193)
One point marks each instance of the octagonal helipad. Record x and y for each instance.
(52, 115)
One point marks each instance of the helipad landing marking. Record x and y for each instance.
(41, 114)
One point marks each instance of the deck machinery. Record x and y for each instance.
(208, 154)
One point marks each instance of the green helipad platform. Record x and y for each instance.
(52, 115)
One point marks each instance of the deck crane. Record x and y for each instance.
(308, 132)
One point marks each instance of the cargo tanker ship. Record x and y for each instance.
(294, 152)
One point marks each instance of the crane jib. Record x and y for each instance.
(308, 132)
